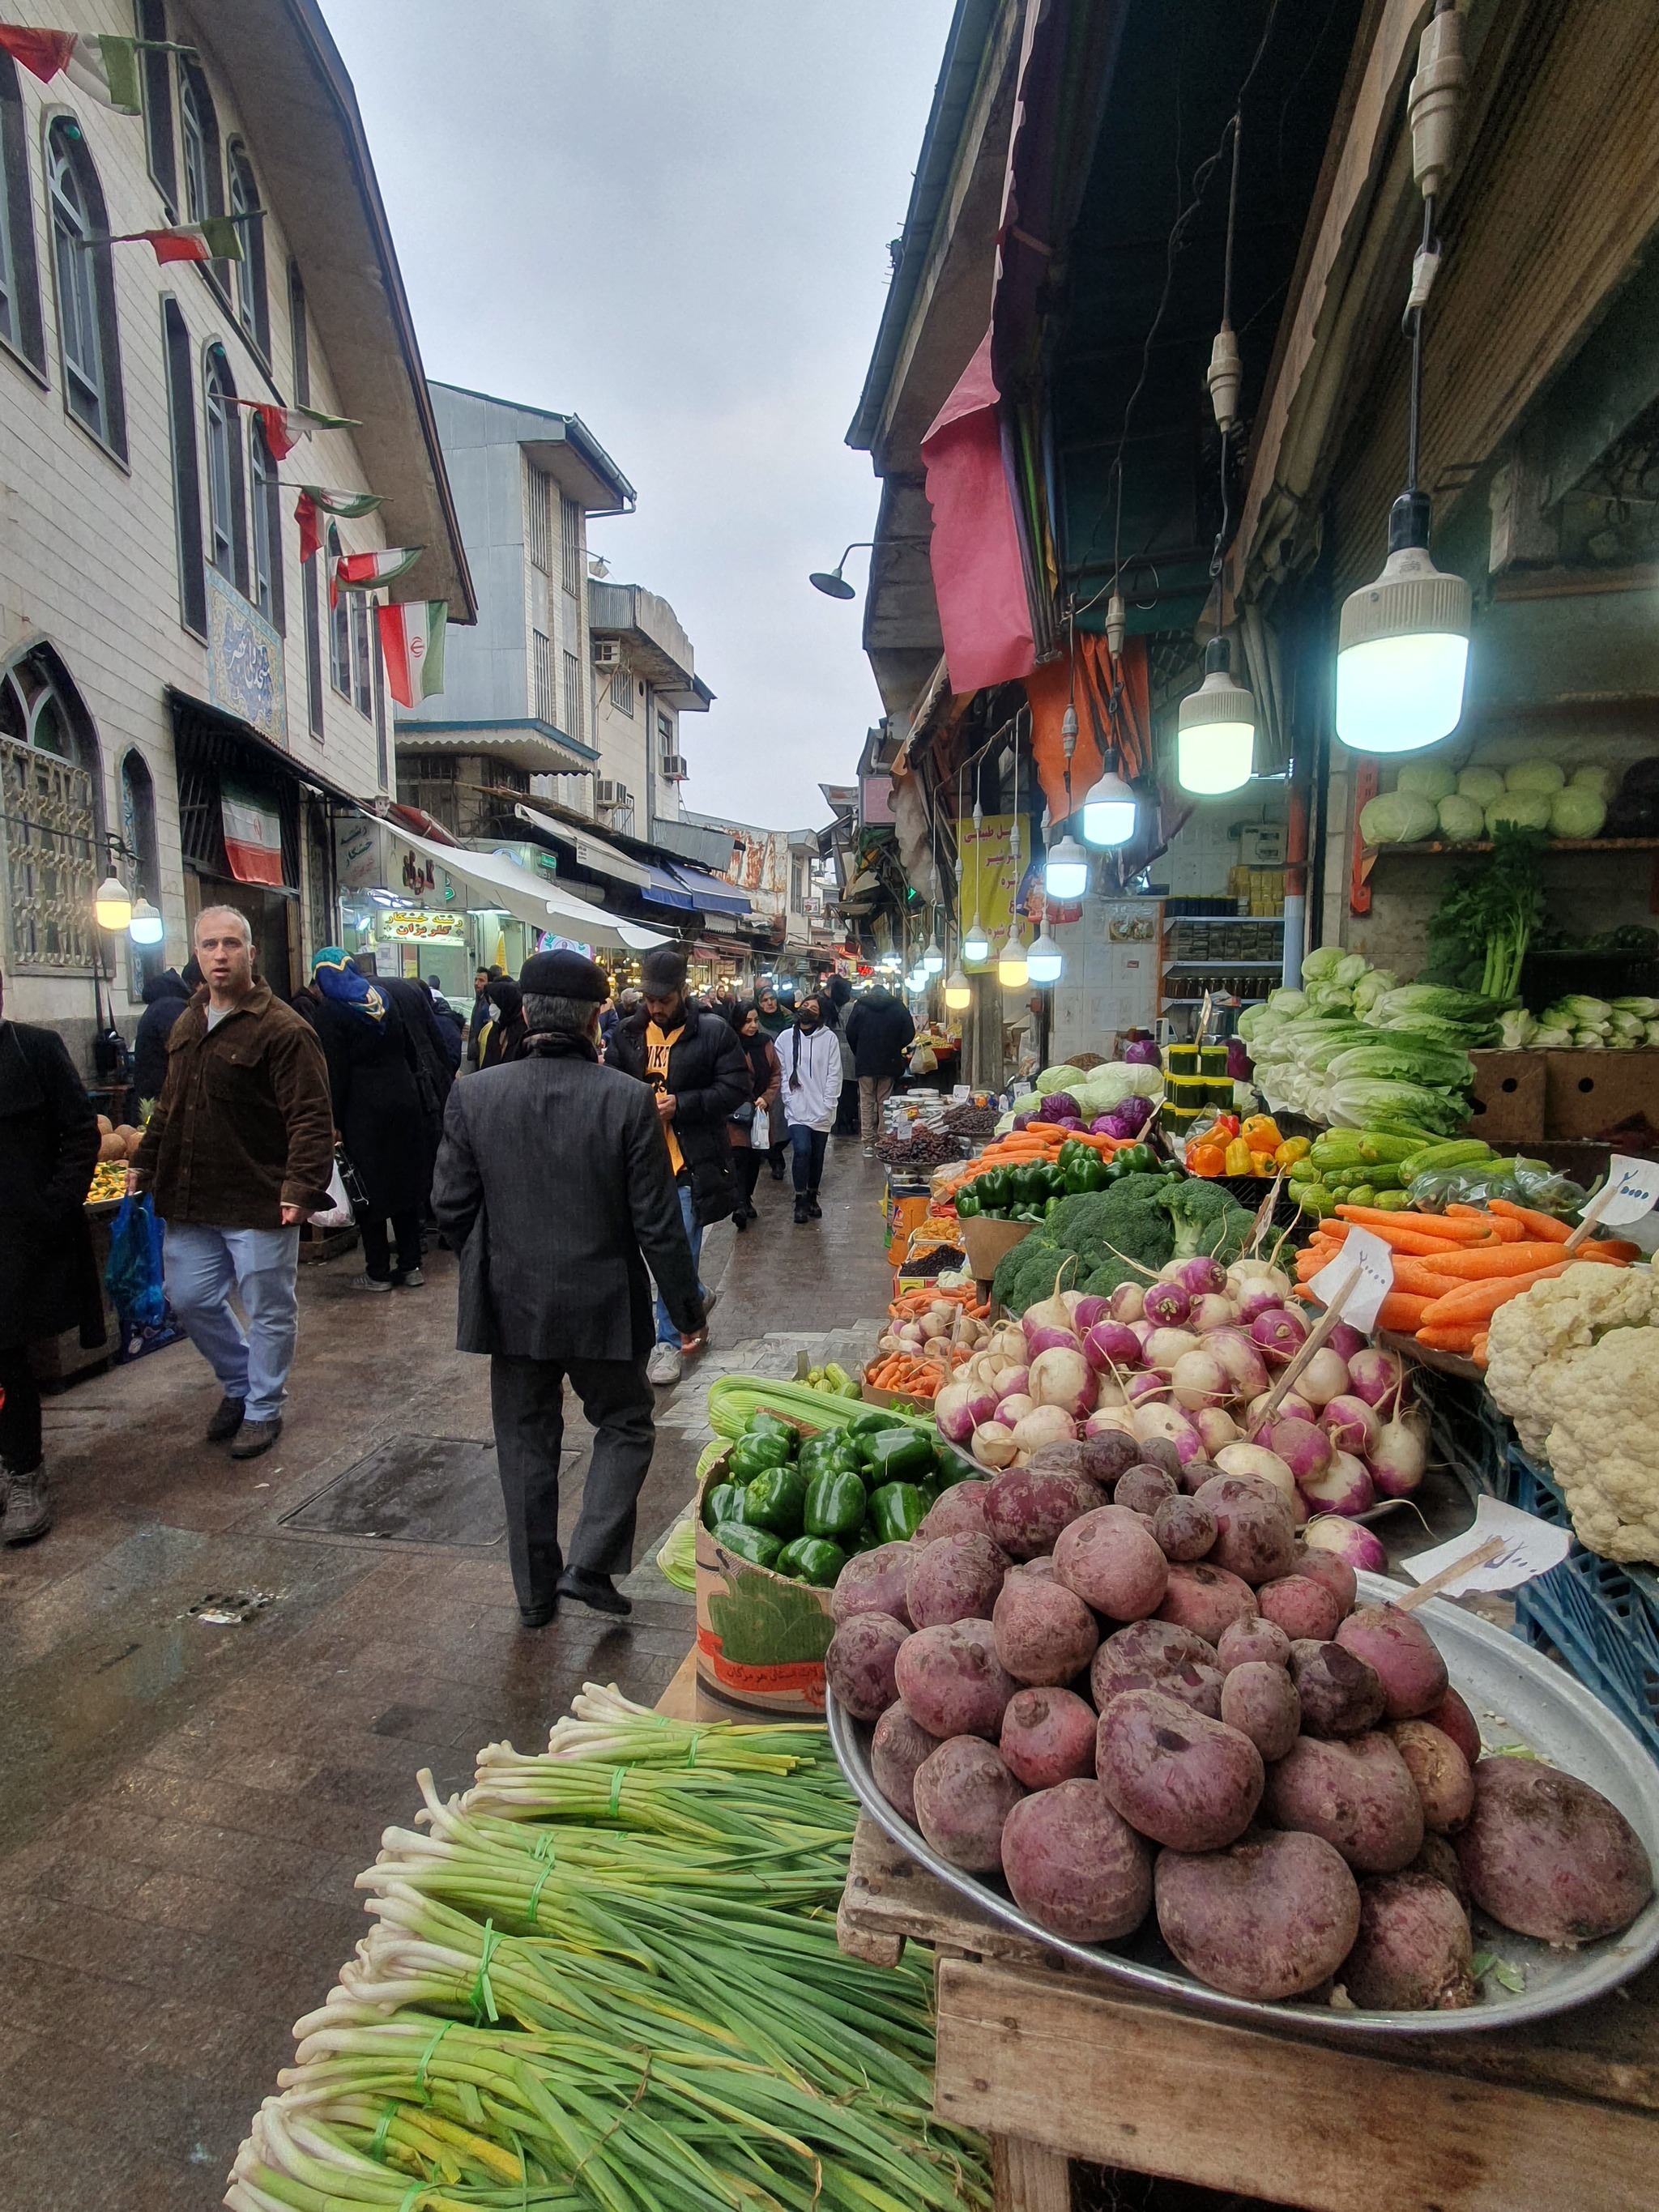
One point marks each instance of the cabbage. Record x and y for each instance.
(1366, 1101)
(1370, 988)
(1576, 1009)
(1398, 817)
(1577, 812)
(1540, 775)
(1349, 971)
(1653, 1033)
(1434, 779)
(1601, 780)
(1322, 963)
(1589, 1040)
(1064, 1078)
(1329, 999)
(1284, 1000)
(1438, 1001)
(1519, 810)
(1626, 1025)
(1480, 783)
(1519, 1030)
(1648, 1008)
(1402, 1060)
(1551, 1037)
(1461, 818)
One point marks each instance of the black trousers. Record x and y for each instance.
(527, 1402)
(377, 1248)
(746, 1160)
(20, 1417)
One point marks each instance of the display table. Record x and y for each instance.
(1055, 2063)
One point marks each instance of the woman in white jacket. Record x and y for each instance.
(810, 1057)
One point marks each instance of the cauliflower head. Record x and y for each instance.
(1533, 1337)
(1604, 1443)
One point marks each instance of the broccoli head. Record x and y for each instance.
(1207, 1219)
(1033, 1269)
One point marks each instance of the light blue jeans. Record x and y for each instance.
(667, 1332)
(261, 1266)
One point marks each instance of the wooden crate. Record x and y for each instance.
(1588, 1093)
(1506, 1105)
(1055, 2063)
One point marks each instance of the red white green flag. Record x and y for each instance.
(412, 642)
(314, 501)
(367, 572)
(99, 64)
(286, 426)
(252, 825)
(215, 238)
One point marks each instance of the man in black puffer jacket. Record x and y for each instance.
(696, 1065)
(165, 996)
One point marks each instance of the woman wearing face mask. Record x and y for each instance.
(750, 1136)
(810, 1057)
(502, 1035)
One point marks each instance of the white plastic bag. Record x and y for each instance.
(337, 1213)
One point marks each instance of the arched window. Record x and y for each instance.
(266, 526)
(204, 185)
(250, 270)
(20, 289)
(86, 286)
(226, 537)
(48, 814)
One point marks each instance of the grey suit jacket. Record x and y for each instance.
(553, 1183)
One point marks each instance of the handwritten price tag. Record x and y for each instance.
(1375, 1261)
(1634, 1187)
(1531, 1547)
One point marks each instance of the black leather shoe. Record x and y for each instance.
(812, 1205)
(537, 1616)
(802, 1216)
(598, 1592)
(226, 1422)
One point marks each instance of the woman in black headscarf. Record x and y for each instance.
(371, 1064)
(504, 1033)
(752, 1137)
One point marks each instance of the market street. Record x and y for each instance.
(188, 1802)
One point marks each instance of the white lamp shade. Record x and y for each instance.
(1066, 874)
(958, 991)
(1214, 757)
(146, 926)
(1045, 960)
(112, 904)
(1108, 812)
(1011, 969)
(933, 959)
(976, 946)
(1402, 656)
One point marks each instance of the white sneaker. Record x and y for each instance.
(663, 1367)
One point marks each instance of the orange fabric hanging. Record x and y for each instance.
(1048, 689)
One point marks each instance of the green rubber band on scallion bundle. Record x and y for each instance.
(535, 1893)
(413, 2195)
(426, 2060)
(384, 2127)
(691, 1751)
(618, 1776)
(484, 1994)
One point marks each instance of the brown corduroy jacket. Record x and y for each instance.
(244, 1126)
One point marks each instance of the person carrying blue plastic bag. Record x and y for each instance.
(238, 1152)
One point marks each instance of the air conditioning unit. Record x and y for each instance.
(606, 794)
(674, 768)
(607, 652)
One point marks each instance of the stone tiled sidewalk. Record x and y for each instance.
(184, 1804)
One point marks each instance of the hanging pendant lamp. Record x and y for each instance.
(958, 991)
(1044, 961)
(1012, 968)
(1215, 728)
(1066, 871)
(1109, 811)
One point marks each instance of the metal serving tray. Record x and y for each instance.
(1519, 1698)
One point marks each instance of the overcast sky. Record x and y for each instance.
(671, 217)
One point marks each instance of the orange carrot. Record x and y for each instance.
(1475, 1266)
(1479, 1355)
(1478, 1302)
(1403, 1310)
(1438, 1225)
(1543, 1228)
(1402, 1239)
(1610, 1247)
(1508, 1232)
(1448, 1340)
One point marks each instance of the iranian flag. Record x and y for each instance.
(412, 641)
(99, 64)
(315, 502)
(366, 572)
(252, 825)
(215, 238)
(286, 426)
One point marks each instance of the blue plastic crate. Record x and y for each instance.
(1603, 1620)
(1468, 1435)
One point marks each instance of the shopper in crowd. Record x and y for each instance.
(555, 1186)
(696, 1066)
(846, 1101)
(372, 1079)
(609, 1017)
(809, 1058)
(450, 1028)
(879, 1030)
(432, 1071)
(774, 1019)
(750, 1131)
(480, 1010)
(48, 1280)
(165, 996)
(503, 1030)
(238, 1151)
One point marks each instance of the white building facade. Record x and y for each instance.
(169, 669)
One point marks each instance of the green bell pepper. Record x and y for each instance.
(955, 1467)
(777, 1500)
(991, 1190)
(898, 1510)
(835, 1505)
(1085, 1171)
(752, 1456)
(898, 1455)
(966, 1204)
(724, 1502)
(866, 1539)
(835, 1454)
(763, 1424)
(758, 1546)
(873, 1417)
(812, 1559)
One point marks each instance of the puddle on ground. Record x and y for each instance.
(231, 1606)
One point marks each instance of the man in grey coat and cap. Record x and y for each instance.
(553, 1182)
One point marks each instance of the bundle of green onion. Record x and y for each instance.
(734, 1398)
(606, 1979)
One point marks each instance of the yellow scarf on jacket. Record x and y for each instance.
(658, 1046)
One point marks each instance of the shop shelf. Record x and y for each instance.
(1433, 846)
(1603, 1619)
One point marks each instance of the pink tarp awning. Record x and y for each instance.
(979, 576)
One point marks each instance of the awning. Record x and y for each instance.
(710, 894)
(592, 853)
(665, 888)
(492, 882)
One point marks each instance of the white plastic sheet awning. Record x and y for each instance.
(496, 882)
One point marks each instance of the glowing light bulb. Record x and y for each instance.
(1109, 811)
(1066, 871)
(1012, 967)
(1045, 960)
(111, 905)
(1215, 728)
(976, 946)
(1403, 645)
(958, 991)
(146, 928)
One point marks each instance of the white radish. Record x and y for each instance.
(1200, 1379)
(1324, 1377)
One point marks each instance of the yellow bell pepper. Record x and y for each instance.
(1293, 1149)
(1261, 1164)
(1238, 1156)
(1262, 1131)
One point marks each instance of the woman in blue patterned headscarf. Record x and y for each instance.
(346, 986)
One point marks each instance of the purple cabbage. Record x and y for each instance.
(1127, 1119)
(1059, 1106)
(1142, 1052)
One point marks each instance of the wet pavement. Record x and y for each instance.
(220, 1677)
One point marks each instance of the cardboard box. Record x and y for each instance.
(985, 1242)
(1586, 1094)
(1507, 1104)
(761, 1638)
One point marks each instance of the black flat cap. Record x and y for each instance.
(564, 975)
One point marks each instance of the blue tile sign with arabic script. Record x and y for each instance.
(244, 661)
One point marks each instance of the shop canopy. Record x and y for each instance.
(665, 888)
(592, 853)
(710, 894)
(497, 883)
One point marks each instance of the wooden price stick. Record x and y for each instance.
(1315, 1337)
(1482, 1555)
(1264, 1212)
(1592, 1214)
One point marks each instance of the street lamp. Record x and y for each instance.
(831, 582)
(111, 905)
